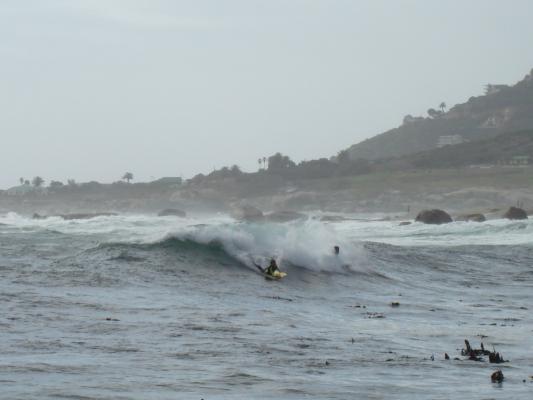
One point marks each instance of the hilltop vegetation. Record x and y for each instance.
(502, 109)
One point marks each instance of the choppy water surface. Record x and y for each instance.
(161, 308)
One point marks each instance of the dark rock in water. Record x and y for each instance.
(38, 216)
(168, 212)
(284, 216)
(471, 217)
(497, 376)
(395, 304)
(475, 354)
(403, 223)
(375, 315)
(434, 216)
(495, 358)
(446, 356)
(515, 213)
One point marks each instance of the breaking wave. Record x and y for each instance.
(307, 244)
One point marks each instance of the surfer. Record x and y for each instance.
(272, 268)
(272, 271)
(336, 250)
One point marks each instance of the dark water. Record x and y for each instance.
(141, 308)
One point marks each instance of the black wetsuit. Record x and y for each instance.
(272, 268)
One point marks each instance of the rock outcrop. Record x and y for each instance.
(172, 212)
(434, 216)
(497, 376)
(515, 213)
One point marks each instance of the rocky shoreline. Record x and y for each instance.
(468, 195)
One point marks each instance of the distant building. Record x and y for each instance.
(449, 140)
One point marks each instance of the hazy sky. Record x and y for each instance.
(90, 89)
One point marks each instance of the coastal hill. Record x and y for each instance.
(502, 109)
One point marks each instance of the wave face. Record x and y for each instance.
(172, 305)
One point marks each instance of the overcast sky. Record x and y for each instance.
(90, 89)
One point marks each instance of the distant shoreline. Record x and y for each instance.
(457, 190)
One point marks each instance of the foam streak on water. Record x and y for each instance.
(139, 307)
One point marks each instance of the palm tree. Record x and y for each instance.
(442, 106)
(128, 176)
(259, 160)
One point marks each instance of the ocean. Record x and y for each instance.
(143, 307)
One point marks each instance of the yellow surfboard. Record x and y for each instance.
(276, 275)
